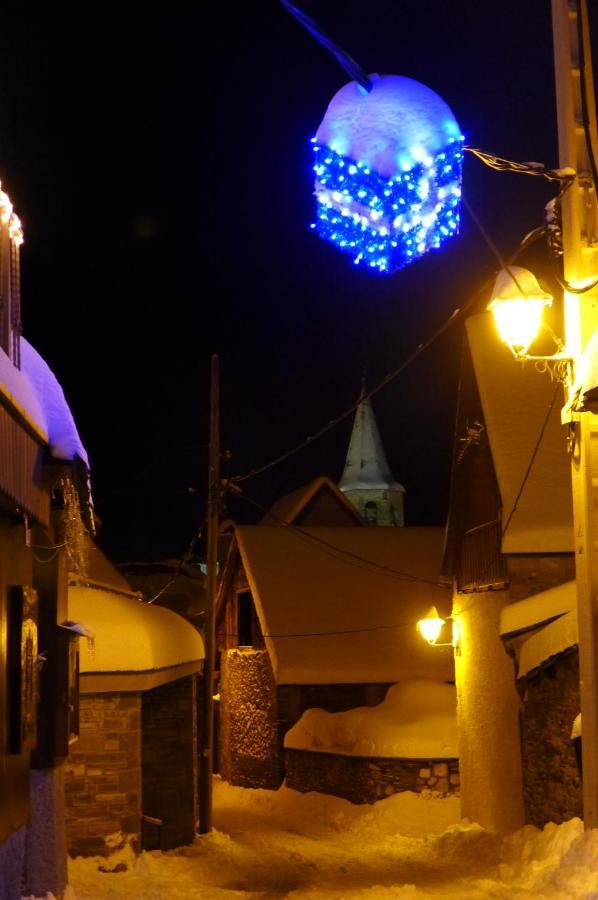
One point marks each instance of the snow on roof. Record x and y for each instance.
(390, 126)
(289, 507)
(58, 420)
(130, 636)
(539, 608)
(417, 720)
(301, 584)
(515, 399)
(555, 638)
(18, 389)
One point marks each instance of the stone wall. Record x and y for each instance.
(250, 739)
(103, 774)
(551, 782)
(169, 762)
(367, 779)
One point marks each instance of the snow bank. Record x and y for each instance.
(280, 844)
(417, 720)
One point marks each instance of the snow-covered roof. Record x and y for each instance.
(56, 417)
(549, 642)
(366, 466)
(130, 636)
(416, 720)
(515, 399)
(539, 608)
(17, 388)
(390, 126)
(314, 581)
(290, 507)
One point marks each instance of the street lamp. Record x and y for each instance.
(430, 628)
(518, 304)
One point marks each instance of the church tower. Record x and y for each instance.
(367, 480)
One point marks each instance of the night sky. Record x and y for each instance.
(160, 162)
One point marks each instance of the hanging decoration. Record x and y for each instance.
(388, 164)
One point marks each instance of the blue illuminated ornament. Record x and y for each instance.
(388, 169)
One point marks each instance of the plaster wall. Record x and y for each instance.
(488, 715)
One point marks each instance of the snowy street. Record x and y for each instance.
(315, 847)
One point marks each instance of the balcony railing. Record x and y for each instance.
(481, 565)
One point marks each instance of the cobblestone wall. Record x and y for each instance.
(551, 782)
(367, 779)
(103, 774)
(169, 762)
(250, 739)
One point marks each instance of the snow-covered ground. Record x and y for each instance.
(314, 847)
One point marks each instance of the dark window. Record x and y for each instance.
(244, 619)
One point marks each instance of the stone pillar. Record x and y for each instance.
(488, 715)
(45, 858)
(251, 753)
(12, 864)
(169, 761)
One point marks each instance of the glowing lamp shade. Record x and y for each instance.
(518, 305)
(431, 626)
(388, 172)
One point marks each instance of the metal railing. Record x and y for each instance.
(481, 565)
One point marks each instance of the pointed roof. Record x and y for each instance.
(292, 507)
(366, 466)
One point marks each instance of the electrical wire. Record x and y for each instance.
(532, 458)
(323, 633)
(184, 558)
(352, 68)
(454, 317)
(527, 168)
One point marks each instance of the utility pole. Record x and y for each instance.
(206, 761)
(574, 81)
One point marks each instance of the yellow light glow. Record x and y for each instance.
(517, 304)
(518, 321)
(431, 626)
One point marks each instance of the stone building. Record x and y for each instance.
(509, 556)
(132, 775)
(317, 616)
(44, 512)
(367, 481)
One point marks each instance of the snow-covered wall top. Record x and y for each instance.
(391, 126)
(130, 636)
(538, 608)
(58, 421)
(417, 720)
(555, 638)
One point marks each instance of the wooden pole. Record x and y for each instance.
(580, 243)
(206, 762)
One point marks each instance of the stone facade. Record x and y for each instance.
(169, 762)
(551, 782)
(367, 779)
(250, 739)
(103, 774)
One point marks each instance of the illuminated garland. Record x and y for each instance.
(387, 222)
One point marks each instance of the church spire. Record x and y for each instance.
(367, 480)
